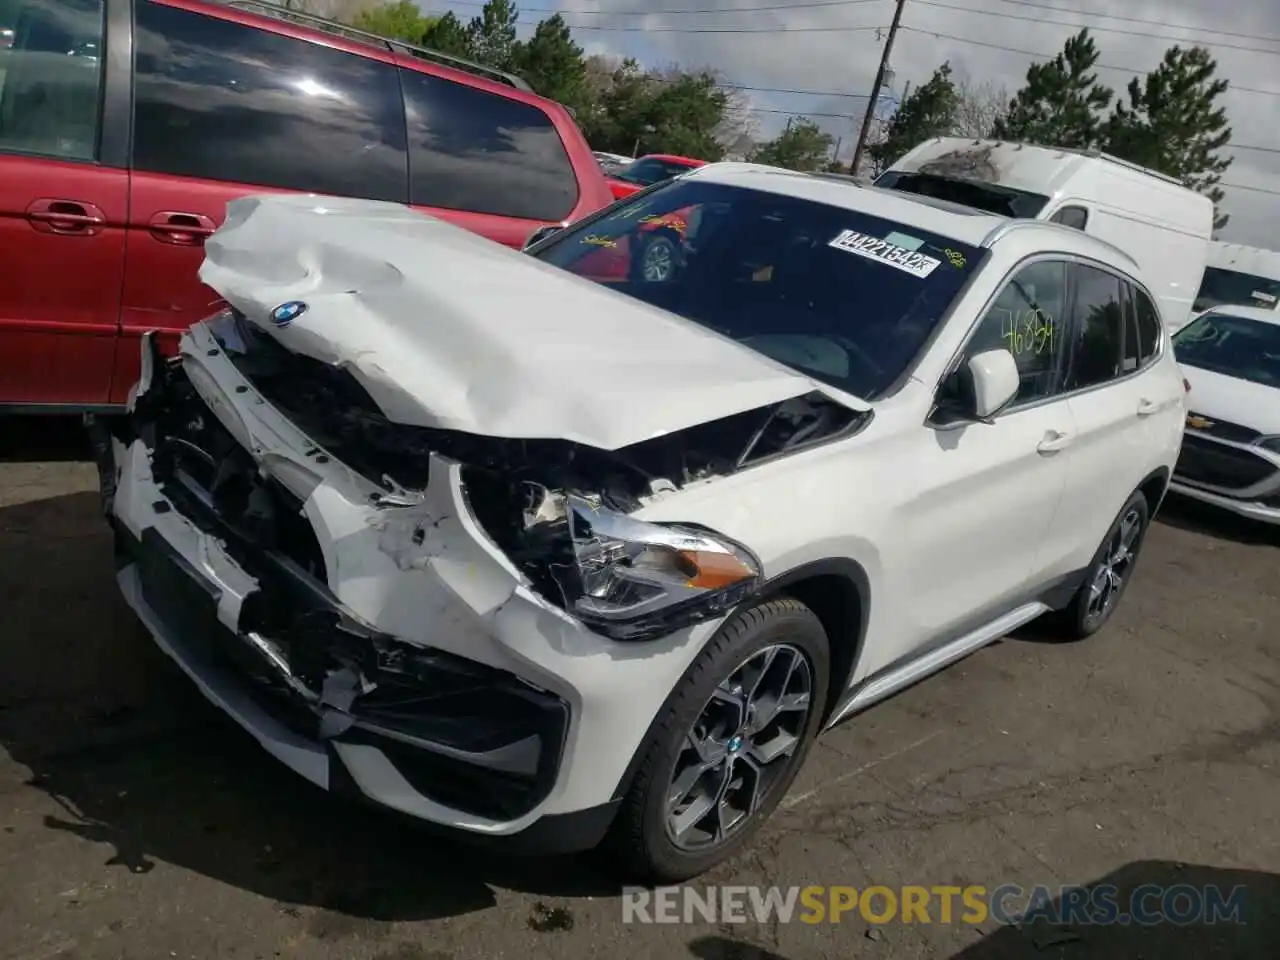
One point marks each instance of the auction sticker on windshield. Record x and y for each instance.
(873, 248)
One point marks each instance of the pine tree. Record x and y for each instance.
(552, 63)
(1173, 123)
(1061, 103)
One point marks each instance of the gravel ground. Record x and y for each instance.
(135, 822)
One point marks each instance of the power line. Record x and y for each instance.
(1049, 56)
(1154, 23)
(831, 29)
(683, 11)
(1246, 146)
(799, 113)
(1061, 23)
(1241, 186)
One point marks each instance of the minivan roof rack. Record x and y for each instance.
(269, 9)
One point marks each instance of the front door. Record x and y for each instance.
(62, 211)
(974, 535)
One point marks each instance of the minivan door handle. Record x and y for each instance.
(1146, 408)
(71, 218)
(1054, 440)
(181, 229)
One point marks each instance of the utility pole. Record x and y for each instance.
(875, 88)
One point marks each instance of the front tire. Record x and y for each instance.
(732, 736)
(1109, 574)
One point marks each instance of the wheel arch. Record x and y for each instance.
(1154, 487)
(838, 591)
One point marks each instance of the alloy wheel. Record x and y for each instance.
(1113, 569)
(743, 741)
(659, 261)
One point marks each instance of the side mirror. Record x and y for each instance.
(980, 389)
(995, 378)
(541, 234)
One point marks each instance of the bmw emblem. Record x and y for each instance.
(286, 313)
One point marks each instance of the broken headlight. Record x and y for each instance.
(635, 580)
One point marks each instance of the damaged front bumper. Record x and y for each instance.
(385, 649)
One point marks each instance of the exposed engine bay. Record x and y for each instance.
(546, 503)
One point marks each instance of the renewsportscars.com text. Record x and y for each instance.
(1148, 905)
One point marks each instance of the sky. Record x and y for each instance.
(818, 58)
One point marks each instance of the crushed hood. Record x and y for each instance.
(446, 329)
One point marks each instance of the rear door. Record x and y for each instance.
(487, 161)
(227, 106)
(63, 197)
(1122, 402)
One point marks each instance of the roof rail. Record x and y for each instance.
(1020, 223)
(279, 12)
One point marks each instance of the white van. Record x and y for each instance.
(1241, 276)
(1164, 226)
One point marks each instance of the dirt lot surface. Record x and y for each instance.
(136, 822)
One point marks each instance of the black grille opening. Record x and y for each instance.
(419, 694)
(1215, 464)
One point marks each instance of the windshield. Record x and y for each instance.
(843, 297)
(990, 197)
(1230, 286)
(1234, 346)
(649, 170)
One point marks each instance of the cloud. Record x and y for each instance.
(823, 47)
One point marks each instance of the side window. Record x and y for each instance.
(51, 78)
(478, 151)
(226, 101)
(1132, 351)
(648, 172)
(1149, 326)
(1076, 217)
(1026, 318)
(1097, 328)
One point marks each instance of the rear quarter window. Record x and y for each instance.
(473, 150)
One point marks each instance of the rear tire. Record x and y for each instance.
(698, 753)
(1109, 573)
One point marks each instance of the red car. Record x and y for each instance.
(129, 124)
(648, 170)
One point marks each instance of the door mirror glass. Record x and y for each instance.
(541, 234)
(995, 380)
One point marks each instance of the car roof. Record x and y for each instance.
(1261, 314)
(673, 158)
(964, 224)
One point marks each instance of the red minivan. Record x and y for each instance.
(127, 125)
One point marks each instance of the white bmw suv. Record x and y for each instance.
(589, 542)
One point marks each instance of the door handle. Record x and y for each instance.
(71, 218)
(181, 229)
(1054, 441)
(1146, 408)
